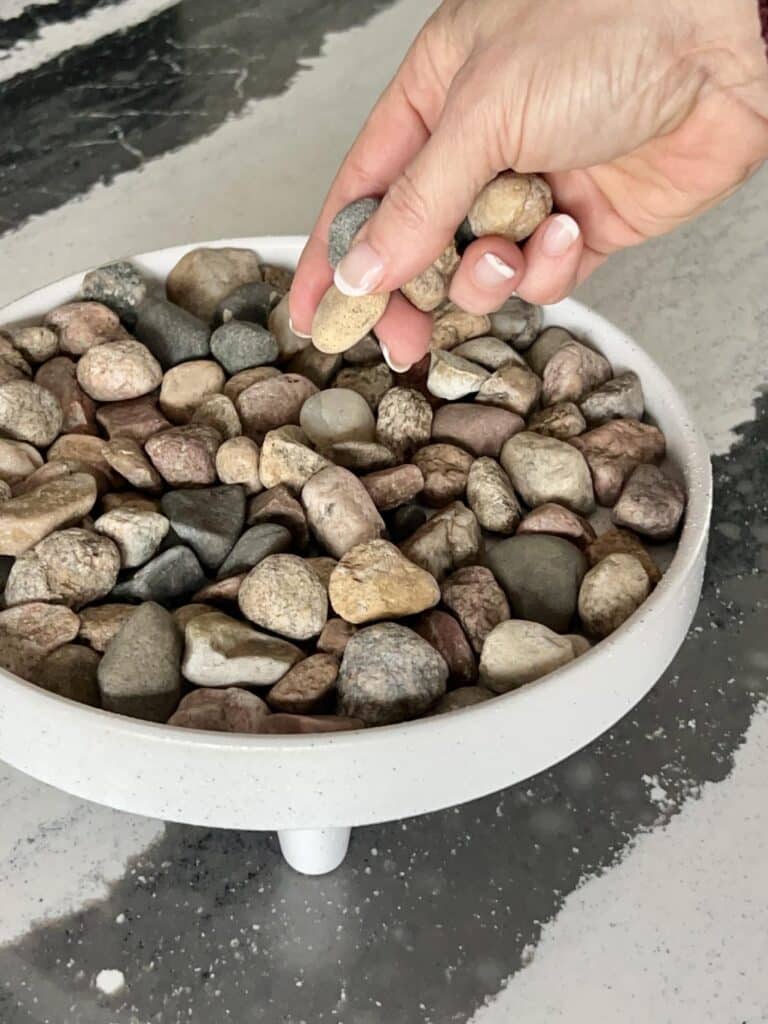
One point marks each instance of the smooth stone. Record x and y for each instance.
(360, 456)
(170, 575)
(138, 534)
(389, 674)
(489, 353)
(118, 285)
(187, 385)
(618, 399)
(187, 612)
(544, 469)
(59, 376)
(99, 624)
(541, 576)
(371, 382)
(477, 601)
(221, 651)
(390, 488)
(239, 345)
(71, 672)
(20, 657)
(81, 325)
(229, 709)
(451, 377)
(323, 566)
(491, 497)
(517, 322)
(463, 697)
(27, 519)
(614, 450)
(546, 345)
(171, 334)
(284, 595)
(340, 321)
(18, 460)
(125, 456)
(12, 358)
(340, 511)
(71, 567)
(118, 370)
(364, 352)
(29, 413)
(558, 521)
(286, 458)
(404, 521)
(335, 637)
(562, 421)
(251, 302)
(58, 470)
(319, 367)
(511, 387)
(139, 674)
(277, 505)
(572, 372)
(610, 592)
(48, 626)
(453, 325)
(430, 288)
(138, 419)
(415, 378)
(37, 344)
(307, 687)
(237, 462)
(518, 652)
(447, 637)
(622, 542)
(84, 450)
(652, 504)
(481, 430)
(273, 403)
(279, 323)
(446, 542)
(404, 421)
(129, 499)
(255, 544)
(279, 724)
(445, 469)
(185, 456)
(337, 414)
(374, 580)
(241, 381)
(205, 276)
(209, 520)
(511, 205)
(346, 224)
(579, 643)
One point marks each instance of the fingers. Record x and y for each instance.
(490, 271)
(404, 333)
(552, 258)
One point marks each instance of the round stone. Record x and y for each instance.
(203, 277)
(512, 205)
(118, 370)
(463, 697)
(404, 421)
(275, 402)
(560, 522)
(237, 462)
(453, 325)
(185, 456)
(48, 626)
(335, 636)
(445, 634)
(345, 225)
(546, 345)
(375, 581)
(617, 399)
(610, 593)
(340, 320)
(59, 376)
(81, 325)
(286, 458)
(118, 285)
(319, 367)
(340, 511)
(562, 421)
(622, 542)
(360, 456)
(170, 333)
(229, 709)
(544, 469)
(511, 387)
(36, 344)
(477, 601)
(71, 567)
(282, 594)
(221, 651)
(237, 385)
(138, 534)
(307, 687)
(445, 469)
(652, 504)
(29, 413)
(186, 386)
(492, 498)
(429, 288)
(239, 345)
(481, 430)
(572, 372)
(337, 414)
(517, 652)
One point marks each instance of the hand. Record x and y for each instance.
(639, 116)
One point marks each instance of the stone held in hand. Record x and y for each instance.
(284, 595)
(342, 320)
(205, 276)
(337, 414)
(72, 567)
(477, 601)
(239, 345)
(118, 370)
(185, 456)
(429, 289)
(481, 430)
(173, 573)
(517, 652)
(559, 521)
(209, 520)
(543, 469)
(492, 498)
(652, 504)
(222, 651)
(451, 377)
(610, 592)
(306, 687)
(229, 709)
(618, 399)
(29, 518)
(573, 372)
(29, 413)
(71, 671)
(340, 511)
(446, 542)
(138, 534)
(373, 580)
(286, 458)
(346, 224)
(447, 637)
(404, 421)
(445, 469)
(511, 205)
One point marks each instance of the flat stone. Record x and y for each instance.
(463, 697)
(652, 504)
(374, 580)
(392, 487)
(610, 592)
(48, 626)
(614, 450)
(453, 325)
(273, 403)
(451, 377)
(340, 511)
(337, 414)
(280, 724)
(340, 321)
(59, 376)
(446, 542)
(319, 367)
(279, 323)
(172, 574)
(172, 334)
(445, 469)
(118, 370)
(511, 387)
(203, 277)
(361, 456)
(404, 421)
(371, 382)
(558, 521)
(364, 352)
(541, 576)
(70, 567)
(307, 687)
(518, 322)
(622, 542)
(572, 372)
(221, 651)
(118, 285)
(237, 385)
(477, 601)
(100, 623)
(346, 224)
(481, 430)
(186, 386)
(544, 469)
(237, 462)
(81, 325)
(70, 671)
(18, 460)
(617, 399)
(489, 353)
(491, 497)
(429, 289)
(229, 709)
(518, 652)
(36, 344)
(209, 520)
(562, 421)
(511, 205)
(239, 345)
(251, 302)
(255, 544)
(335, 637)
(27, 519)
(185, 456)
(285, 596)
(277, 505)
(126, 457)
(389, 674)
(286, 458)
(29, 413)
(139, 674)
(138, 534)
(548, 342)
(447, 637)
(138, 419)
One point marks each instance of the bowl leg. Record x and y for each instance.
(314, 851)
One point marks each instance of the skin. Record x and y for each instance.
(640, 117)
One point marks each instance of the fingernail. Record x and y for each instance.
(294, 331)
(560, 235)
(395, 367)
(360, 270)
(490, 271)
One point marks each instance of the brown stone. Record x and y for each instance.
(447, 541)
(372, 382)
(57, 470)
(390, 488)
(360, 456)
(138, 419)
(448, 638)
(219, 412)
(652, 504)
(404, 421)
(614, 450)
(185, 456)
(477, 601)
(188, 612)
(83, 449)
(125, 456)
(29, 518)
(205, 276)
(562, 421)
(129, 499)
(511, 387)
(307, 687)
(81, 325)
(187, 385)
(18, 460)
(221, 591)
(221, 709)
(282, 724)
(445, 469)
(273, 403)
(481, 430)
(615, 542)
(100, 623)
(610, 592)
(70, 671)
(29, 413)
(319, 367)
(374, 581)
(559, 521)
(240, 381)
(277, 505)
(48, 626)
(429, 288)
(340, 511)
(572, 372)
(59, 376)
(335, 637)
(35, 343)
(511, 205)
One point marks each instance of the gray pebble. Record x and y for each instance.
(208, 519)
(170, 333)
(118, 285)
(252, 301)
(345, 225)
(617, 399)
(239, 346)
(254, 545)
(172, 574)
(517, 322)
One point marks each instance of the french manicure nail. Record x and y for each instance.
(395, 367)
(294, 331)
(360, 270)
(560, 235)
(490, 271)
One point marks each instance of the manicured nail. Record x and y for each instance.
(360, 270)
(294, 331)
(490, 271)
(395, 367)
(560, 235)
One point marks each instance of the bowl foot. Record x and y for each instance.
(314, 851)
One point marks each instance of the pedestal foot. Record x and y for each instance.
(314, 851)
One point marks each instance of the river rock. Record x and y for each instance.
(285, 596)
(125, 456)
(364, 352)
(572, 372)
(481, 430)
(286, 458)
(345, 225)
(9, 373)
(322, 566)
(118, 370)
(429, 289)
(220, 651)
(241, 381)
(560, 522)
(100, 623)
(511, 205)
(307, 687)
(129, 499)
(172, 334)
(546, 345)
(389, 674)
(81, 325)
(229, 709)
(617, 399)
(29, 413)
(340, 511)
(70, 567)
(360, 456)
(562, 421)
(138, 419)
(280, 278)
(342, 320)
(203, 277)
(404, 521)
(517, 322)
(445, 469)
(5, 491)
(118, 285)
(335, 637)
(444, 633)
(616, 542)
(27, 519)
(85, 450)
(20, 657)
(18, 460)
(404, 421)
(173, 573)
(239, 345)
(71, 671)
(453, 325)
(652, 504)
(447, 541)
(208, 520)
(237, 462)
(374, 581)
(491, 497)
(544, 469)
(279, 323)
(187, 612)
(370, 382)
(48, 626)
(277, 505)
(610, 592)
(186, 386)
(11, 357)
(37, 344)
(255, 544)
(337, 414)
(319, 367)
(221, 591)
(138, 534)
(463, 697)
(251, 302)
(279, 724)
(477, 601)
(273, 403)
(59, 376)
(490, 353)
(614, 450)
(392, 487)
(185, 456)
(512, 387)
(518, 652)
(451, 377)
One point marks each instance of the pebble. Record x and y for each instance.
(254, 545)
(615, 542)
(221, 651)
(20, 657)
(187, 612)
(239, 345)
(9, 373)
(237, 462)
(429, 289)
(138, 419)
(118, 285)
(307, 687)
(57, 470)
(218, 412)
(447, 637)
(173, 573)
(372, 382)
(518, 652)
(273, 403)
(392, 487)
(319, 367)
(451, 377)
(489, 353)
(139, 674)
(541, 576)
(118, 370)
(491, 497)
(579, 643)
(237, 385)
(280, 278)
(512, 205)
(171, 334)
(463, 697)
(477, 601)
(186, 386)
(518, 322)
(204, 276)
(286, 458)
(446, 542)
(652, 504)
(277, 505)
(340, 511)
(100, 623)
(404, 421)
(337, 414)
(37, 344)
(71, 567)
(610, 592)
(345, 225)
(323, 567)
(252, 302)
(18, 460)
(229, 709)
(389, 674)
(138, 534)
(185, 456)
(364, 352)
(445, 469)
(59, 376)
(129, 499)
(512, 387)
(83, 450)
(208, 520)
(614, 450)
(453, 325)
(81, 325)
(562, 421)
(481, 430)
(335, 637)
(222, 591)
(374, 580)
(280, 724)
(342, 320)
(361, 456)
(544, 469)
(572, 372)
(546, 345)
(48, 626)
(71, 671)
(279, 323)
(617, 399)
(27, 519)
(559, 521)
(29, 413)
(284, 595)
(12, 358)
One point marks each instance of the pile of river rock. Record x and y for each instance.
(207, 520)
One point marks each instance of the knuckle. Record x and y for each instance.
(407, 202)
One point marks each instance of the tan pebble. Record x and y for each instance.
(427, 290)
(219, 412)
(46, 625)
(100, 623)
(579, 643)
(374, 581)
(490, 352)
(453, 325)
(59, 376)
(29, 413)
(57, 470)
(203, 277)
(306, 687)
(342, 320)
(185, 456)
(610, 592)
(72, 567)
(511, 387)
(572, 372)
(284, 595)
(240, 381)
(286, 458)
(27, 519)
(562, 421)
(187, 385)
(187, 612)
(139, 419)
(337, 414)
(492, 497)
(81, 325)
(512, 205)
(451, 377)
(126, 457)
(118, 370)
(237, 462)
(138, 534)
(518, 652)
(18, 460)
(543, 469)
(340, 511)
(5, 491)
(36, 343)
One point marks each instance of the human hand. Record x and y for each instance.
(638, 118)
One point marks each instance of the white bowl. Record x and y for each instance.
(322, 785)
